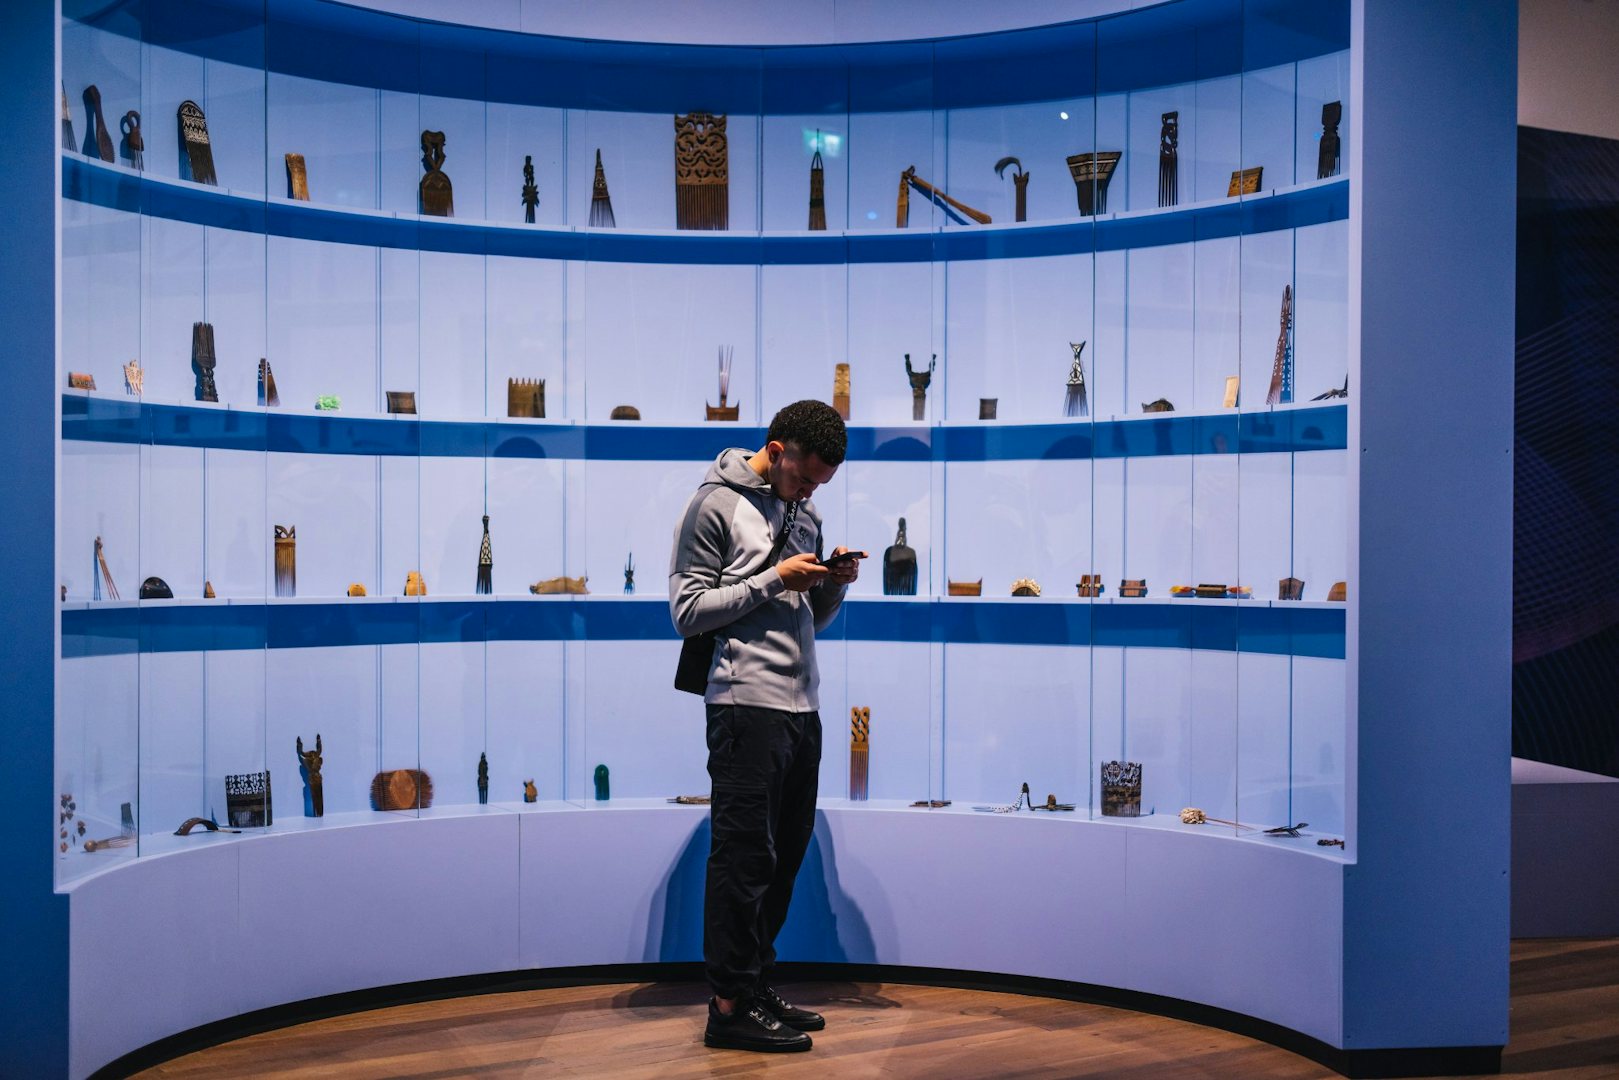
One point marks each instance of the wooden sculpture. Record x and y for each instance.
(297, 178)
(267, 391)
(1076, 404)
(560, 586)
(840, 390)
(203, 360)
(859, 751)
(155, 588)
(817, 196)
(401, 789)
(483, 779)
(197, 161)
(1091, 172)
(1327, 153)
(1339, 592)
(208, 591)
(1134, 588)
(964, 588)
(1025, 586)
(134, 378)
(919, 386)
(78, 380)
(899, 566)
(1281, 372)
(1161, 405)
(309, 762)
(1245, 181)
(1020, 183)
(402, 402)
(1233, 388)
(134, 142)
(1091, 585)
(722, 411)
(624, 412)
(486, 563)
(1210, 591)
(98, 140)
(525, 398)
(629, 574)
(437, 194)
(603, 784)
(414, 585)
(1290, 588)
(601, 204)
(1169, 137)
(531, 190)
(286, 560)
(530, 792)
(702, 172)
(68, 140)
(356, 589)
(953, 207)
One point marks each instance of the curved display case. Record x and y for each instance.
(296, 391)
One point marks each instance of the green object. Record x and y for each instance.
(601, 783)
(329, 402)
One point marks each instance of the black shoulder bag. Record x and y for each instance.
(697, 651)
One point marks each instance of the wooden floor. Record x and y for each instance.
(1565, 1024)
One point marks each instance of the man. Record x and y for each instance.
(747, 564)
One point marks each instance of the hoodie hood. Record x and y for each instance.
(731, 468)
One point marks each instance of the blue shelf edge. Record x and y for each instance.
(88, 418)
(118, 188)
(220, 626)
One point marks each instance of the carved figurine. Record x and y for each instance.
(401, 789)
(1025, 586)
(899, 566)
(1169, 137)
(952, 207)
(964, 588)
(297, 178)
(155, 588)
(1290, 588)
(525, 398)
(702, 172)
(1075, 404)
(208, 591)
(414, 585)
(530, 792)
(356, 589)
(309, 762)
(1134, 588)
(531, 190)
(629, 574)
(134, 378)
(97, 140)
(436, 192)
(1327, 155)
(286, 560)
(572, 586)
(624, 412)
(859, 751)
(1245, 181)
(267, 391)
(197, 154)
(486, 563)
(401, 402)
(1091, 172)
(722, 411)
(601, 203)
(483, 779)
(1161, 405)
(1020, 182)
(840, 390)
(1339, 592)
(134, 143)
(1233, 392)
(817, 196)
(1281, 372)
(203, 360)
(602, 787)
(919, 386)
(1091, 585)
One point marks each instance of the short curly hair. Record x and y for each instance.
(814, 427)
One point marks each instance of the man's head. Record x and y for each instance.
(806, 444)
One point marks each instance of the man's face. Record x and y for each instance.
(795, 474)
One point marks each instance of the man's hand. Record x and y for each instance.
(801, 572)
(846, 572)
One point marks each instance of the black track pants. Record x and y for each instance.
(765, 765)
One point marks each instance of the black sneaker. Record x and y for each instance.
(751, 1027)
(790, 1015)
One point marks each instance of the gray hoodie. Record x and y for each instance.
(720, 578)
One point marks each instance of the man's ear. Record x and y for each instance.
(774, 449)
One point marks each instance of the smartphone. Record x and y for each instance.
(847, 556)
